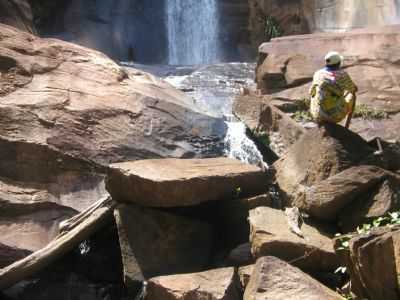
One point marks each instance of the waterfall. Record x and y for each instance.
(239, 146)
(192, 27)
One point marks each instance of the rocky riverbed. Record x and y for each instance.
(116, 183)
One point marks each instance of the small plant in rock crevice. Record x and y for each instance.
(302, 112)
(391, 219)
(272, 28)
(302, 116)
(369, 113)
(261, 136)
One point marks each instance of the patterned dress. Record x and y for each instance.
(332, 95)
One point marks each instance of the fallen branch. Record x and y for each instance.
(71, 223)
(80, 228)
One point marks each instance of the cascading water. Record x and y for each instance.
(192, 27)
(213, 88)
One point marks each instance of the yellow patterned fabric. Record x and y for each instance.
(332, 95)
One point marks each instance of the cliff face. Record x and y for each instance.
(342, 15)
(308, 16)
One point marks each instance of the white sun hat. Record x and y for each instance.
(333, 58)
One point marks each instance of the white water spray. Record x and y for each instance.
(192, 32)
(239, 146)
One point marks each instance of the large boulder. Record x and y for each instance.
(81, 103)
(274, 279)
(17, 13)
(183, 182)
(372, 261)
(381, 200)
(371, 59)
(219, 284)
(326, 199)
(270, 234)
(319, 154)
(157, 243)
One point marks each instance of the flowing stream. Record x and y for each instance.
(192, 27)
(214, 88)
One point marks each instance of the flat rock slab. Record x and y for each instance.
(155, 243)
(274, 279)
(183, 182)
(270, 235)
(219, 284)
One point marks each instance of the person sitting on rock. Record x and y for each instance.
(333, 93)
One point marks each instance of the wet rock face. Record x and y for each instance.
(295, 17)
(291, 16)
(344, 15)
(17, 13)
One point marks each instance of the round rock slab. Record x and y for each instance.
(183, 182)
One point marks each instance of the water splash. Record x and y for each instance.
(143, 292)
(84, 247)
(192, 32)
(239, 146)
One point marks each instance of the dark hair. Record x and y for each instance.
(334, 67)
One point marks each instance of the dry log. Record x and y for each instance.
(69, 224)
(80, 228)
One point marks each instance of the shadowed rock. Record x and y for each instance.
(17, 13)
(156, 243)
(379, 202)
(372, 262)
